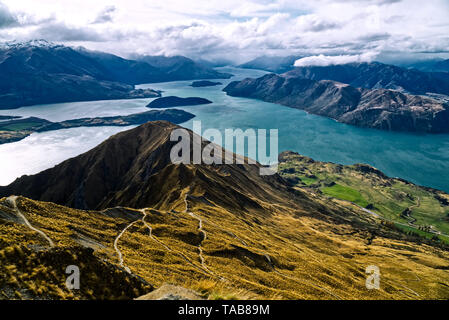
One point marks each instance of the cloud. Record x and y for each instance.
(7, 18)
(59, 31)
(235, 29)
(105, 15)
(322, 60)
(314, 23)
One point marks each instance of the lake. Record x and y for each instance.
(420, 158)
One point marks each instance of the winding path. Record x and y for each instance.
(13, 201)
(201, 231)
(147, 225)
(119, 253)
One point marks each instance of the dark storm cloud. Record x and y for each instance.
(106, 15)
(59, 31)
(7, 19)
(375, 37)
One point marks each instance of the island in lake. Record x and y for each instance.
(15, 130)
(204, 83)
(172, 101)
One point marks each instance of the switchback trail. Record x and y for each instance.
(147, 225)
(165, 246)
(13, 201)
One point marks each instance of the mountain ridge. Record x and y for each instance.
(40, 72)
(373, 108)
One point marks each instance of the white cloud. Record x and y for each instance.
(315, 23)
(236, 29)
(322, 60)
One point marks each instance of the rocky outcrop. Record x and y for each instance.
(379, 108)
(171, 292)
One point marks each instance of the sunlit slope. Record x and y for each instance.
(274, 253)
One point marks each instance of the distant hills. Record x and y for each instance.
(376, 75)
(374, 108)
(438, 65)
(181, 68)
(40, 72)
(276, 64)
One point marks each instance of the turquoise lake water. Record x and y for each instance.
(420, 158)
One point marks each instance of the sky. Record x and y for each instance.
(326, 31)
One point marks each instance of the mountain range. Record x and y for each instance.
(276, 64)
(39, 72)
(376, 75)
(222, 230)
(437, 65)
(345, 96)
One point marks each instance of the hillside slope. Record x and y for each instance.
(418, 210)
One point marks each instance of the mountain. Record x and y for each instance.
(40, 72)
(225, 232)
(437, 65)
(116, 68)
(276, 64)
(377, 75)
(380, 108)
(181, 68)
(214, 63)
(441, 66)
(133, 169)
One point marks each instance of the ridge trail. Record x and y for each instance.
(13, 201)
(119, 253)
(201, 231)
